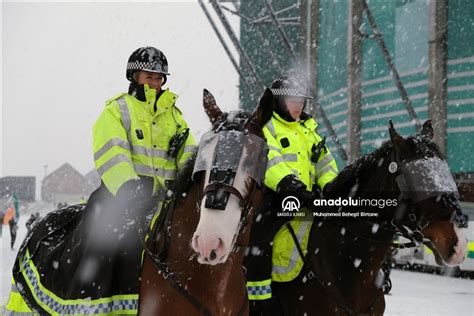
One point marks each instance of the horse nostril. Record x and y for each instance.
(213, 255)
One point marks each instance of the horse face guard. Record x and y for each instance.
(423, 179)
(221, 151)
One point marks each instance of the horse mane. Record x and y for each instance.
(425, 147)
(348, 177)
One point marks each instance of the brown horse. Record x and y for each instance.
(213, 216)
(341, 271)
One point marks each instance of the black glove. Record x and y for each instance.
(317, 193)
(132, 193)
(290, 185)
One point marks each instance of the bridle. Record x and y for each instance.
(232, 136)
(415, 181)
(411, 180)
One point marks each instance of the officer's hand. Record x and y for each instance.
(290, 185)
(317, 193)
(132, 193)
(306, 198)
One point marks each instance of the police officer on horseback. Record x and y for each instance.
(141, 138)
(299, 165)
(140, 142)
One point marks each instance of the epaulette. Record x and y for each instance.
(114, 98)
(177, 109)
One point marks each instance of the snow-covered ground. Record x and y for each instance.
(416, 293)
(8, 256)
(413, 293)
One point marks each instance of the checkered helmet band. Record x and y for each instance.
(151, 67)
(290, 92)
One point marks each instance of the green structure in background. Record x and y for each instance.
(264, 46)
(405, 26)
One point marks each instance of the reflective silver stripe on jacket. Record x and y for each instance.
(115, 160)
(111, 143)
(274, 148)
(157, 153)
(125, 114)
(323, 162)
(323, 171)
(283, 158)
(189, 148)
(294, 252)
(271, 128)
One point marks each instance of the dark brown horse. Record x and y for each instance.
(199, 271)
(341, 271)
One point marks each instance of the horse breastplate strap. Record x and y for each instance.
(424, 178)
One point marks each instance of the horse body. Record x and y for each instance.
(341, 271)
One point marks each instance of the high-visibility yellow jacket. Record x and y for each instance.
(290, 150)
(132, 140)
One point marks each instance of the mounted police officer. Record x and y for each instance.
(299, 165)
(140, 142)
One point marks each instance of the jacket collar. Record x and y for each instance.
(305, 120)
(159, 103)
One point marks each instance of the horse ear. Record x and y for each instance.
(210, 107)
(427, 130)
(396, 139)
(263, 112)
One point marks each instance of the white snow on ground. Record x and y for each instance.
(416, 293)
(413, 293)
(7, 256)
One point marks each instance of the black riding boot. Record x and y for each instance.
(258, 258)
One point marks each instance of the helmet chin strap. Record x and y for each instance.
(283, 111)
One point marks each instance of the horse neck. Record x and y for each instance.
(349, 261)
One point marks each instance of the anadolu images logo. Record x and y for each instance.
(290, 204)
(290, 207)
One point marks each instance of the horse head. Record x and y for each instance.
(230, 165)
(430, 211)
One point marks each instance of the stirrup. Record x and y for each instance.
(387, 286)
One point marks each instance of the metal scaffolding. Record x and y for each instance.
(308, 13)
(248, 69)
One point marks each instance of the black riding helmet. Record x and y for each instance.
(287, 86)
(148, 59)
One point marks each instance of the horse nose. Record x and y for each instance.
(209, 250)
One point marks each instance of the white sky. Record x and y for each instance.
(62, 61)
